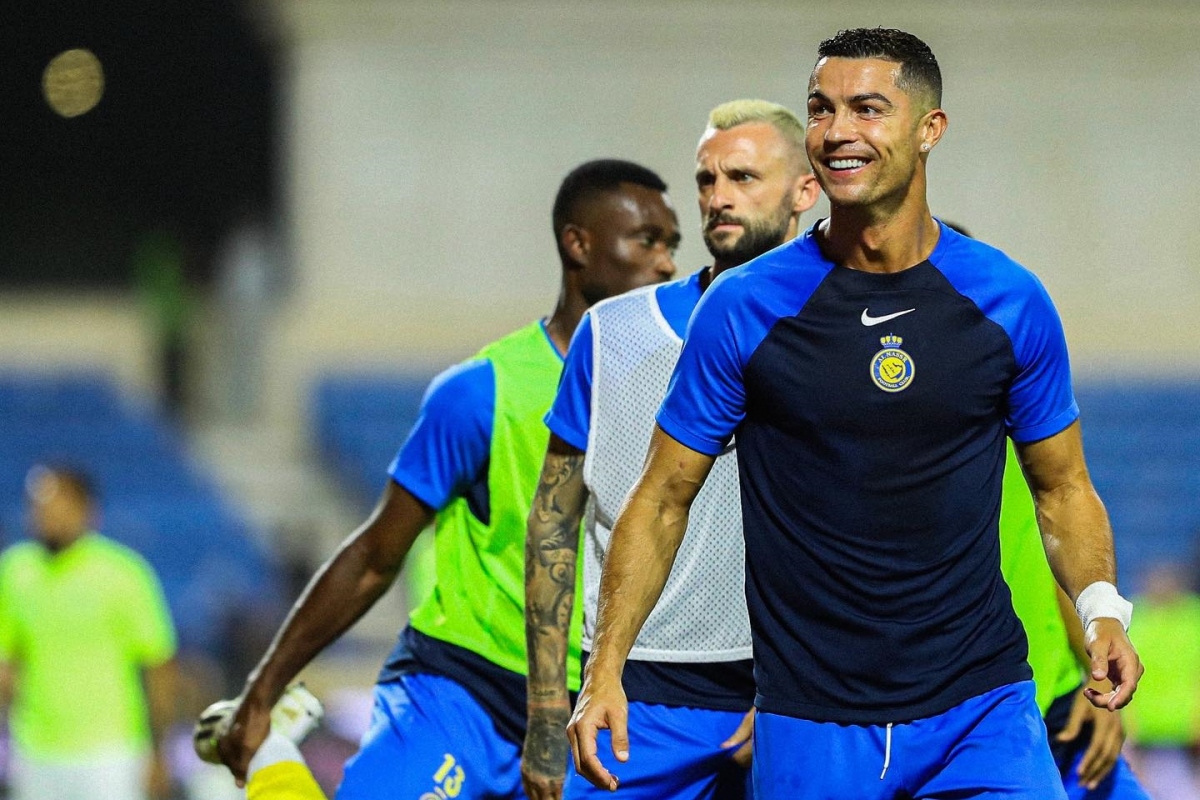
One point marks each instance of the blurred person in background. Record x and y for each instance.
(87, 651)
(449, 711)
(1164, 724)
(161, 283)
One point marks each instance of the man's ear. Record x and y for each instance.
(807, 192)
(933, 127)
(576, 243)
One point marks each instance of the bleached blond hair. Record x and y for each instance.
(741, 112)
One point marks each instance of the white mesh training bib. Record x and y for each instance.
(701, 616)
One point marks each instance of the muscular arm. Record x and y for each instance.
(551, 550)
(1079, 546)
(343, 589)
(645, 540)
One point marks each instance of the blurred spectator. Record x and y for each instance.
(248, 282)
(158, 276)
(1164, 722)
(86, 655)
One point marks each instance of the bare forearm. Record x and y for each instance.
(645, 540)
(1074, 525)
(161, 684)
(551, 553)
(642, 551)
(343, 589)
(1077, 536)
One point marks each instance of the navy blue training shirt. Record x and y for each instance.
(870, 412)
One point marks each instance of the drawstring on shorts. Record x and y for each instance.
(887, 751)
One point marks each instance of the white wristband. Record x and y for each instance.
(1101, 599)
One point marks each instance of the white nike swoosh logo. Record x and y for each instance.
(868, 320)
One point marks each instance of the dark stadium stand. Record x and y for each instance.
(1142, 442)
(152, 494)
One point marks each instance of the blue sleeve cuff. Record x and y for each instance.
(680, 434)
(1044, 430)
(568, 433)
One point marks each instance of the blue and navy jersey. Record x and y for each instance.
(725, 686)
(870, 412)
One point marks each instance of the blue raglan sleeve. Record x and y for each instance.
(706, 397)
(449, 446)
(1041, 401)
(570, 414)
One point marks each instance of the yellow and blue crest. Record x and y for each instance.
(892, 369)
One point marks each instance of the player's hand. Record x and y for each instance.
(250, 726)
(544, 757)
(1108, 736)
(1112, 658)
(743, 736)
(601, 704)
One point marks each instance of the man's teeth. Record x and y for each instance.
(847, 163)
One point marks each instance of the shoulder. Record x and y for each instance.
(16, 555)
(620, 304)
(120, 557)
(978, 269)
(462, 385)
(783, 276)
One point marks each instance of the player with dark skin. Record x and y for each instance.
(618, 240)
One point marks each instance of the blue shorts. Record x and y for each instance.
(990, 746)
(1121, 783)
(429, 739)
(675, 753)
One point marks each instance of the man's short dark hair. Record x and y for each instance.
(587, 181)
(919, 71)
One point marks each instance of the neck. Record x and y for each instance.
(562, 322)
(58, 546)
(857, 239)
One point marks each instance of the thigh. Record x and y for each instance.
(796, 758)
(990, 746)
(429, 739)
(674, 754)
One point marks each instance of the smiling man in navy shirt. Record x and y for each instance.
(871, 370)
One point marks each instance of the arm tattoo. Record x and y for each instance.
(546, 748)
(551, 550)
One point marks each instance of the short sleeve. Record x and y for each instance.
(706, 397)
(1041, 401)
(149, 626)
(450, 443)
(570, 415)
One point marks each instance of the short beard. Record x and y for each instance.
(758, 237)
